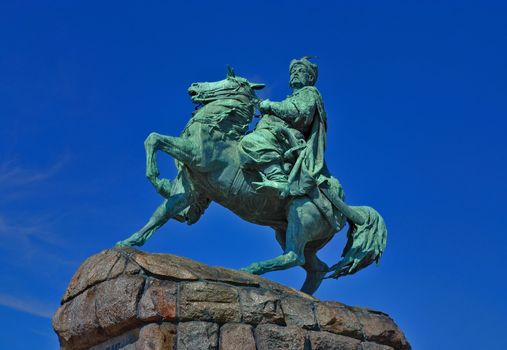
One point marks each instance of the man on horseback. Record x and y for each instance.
(287, 145)
(287, 148)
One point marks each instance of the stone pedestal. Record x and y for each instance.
(126, 299)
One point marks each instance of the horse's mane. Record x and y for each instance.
(230, 115)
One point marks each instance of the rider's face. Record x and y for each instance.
(299, 76)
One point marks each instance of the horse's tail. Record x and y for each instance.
(365, 243)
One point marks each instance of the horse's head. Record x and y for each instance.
(232, 87)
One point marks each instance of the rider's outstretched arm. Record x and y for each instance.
(298, 109)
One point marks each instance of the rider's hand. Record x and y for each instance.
(264, 106)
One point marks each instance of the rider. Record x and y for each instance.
(287, 145)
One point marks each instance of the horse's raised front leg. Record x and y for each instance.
(171, 207)
(180, 148)
(305, 224)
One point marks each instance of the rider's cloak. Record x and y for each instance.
(310, 170)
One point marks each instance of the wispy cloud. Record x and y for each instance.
(24, 232)
(32, 239)
(27, 305)
(11, 174)
(28, 227)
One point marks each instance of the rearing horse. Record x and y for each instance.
(209, 169)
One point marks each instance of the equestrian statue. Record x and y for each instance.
(274, 175)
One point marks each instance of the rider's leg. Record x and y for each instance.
(171, 207)
(273, 177)
(262, 152)
(275, 172)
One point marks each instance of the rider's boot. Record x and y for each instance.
(274, 177)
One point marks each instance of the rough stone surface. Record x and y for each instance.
(152, 336)
(209, 302)
(270, 336)
(197, 335)
(261, 306)
(298, 312)
(374, 346)
(130, 300)
(234, 336)
(157, 337)
(330, 341)
(164, 265)
(76, 323)
(98, 268)
(159, 301)
(125, 341)
(380, 328)
(337, 318)
(116, 303)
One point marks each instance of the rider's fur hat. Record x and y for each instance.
(312, 67)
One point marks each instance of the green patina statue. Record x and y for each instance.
(274, 175)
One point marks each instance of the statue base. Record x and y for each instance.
(123, 298)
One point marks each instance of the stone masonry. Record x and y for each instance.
(127, 299)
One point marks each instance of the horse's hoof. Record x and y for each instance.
(252, 268)
(120, 244)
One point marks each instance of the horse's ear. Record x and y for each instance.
(230, 72)
(256, 86)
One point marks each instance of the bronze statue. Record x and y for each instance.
(274, 176)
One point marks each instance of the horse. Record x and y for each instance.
(207, 159)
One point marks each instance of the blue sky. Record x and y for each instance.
(416, 99)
